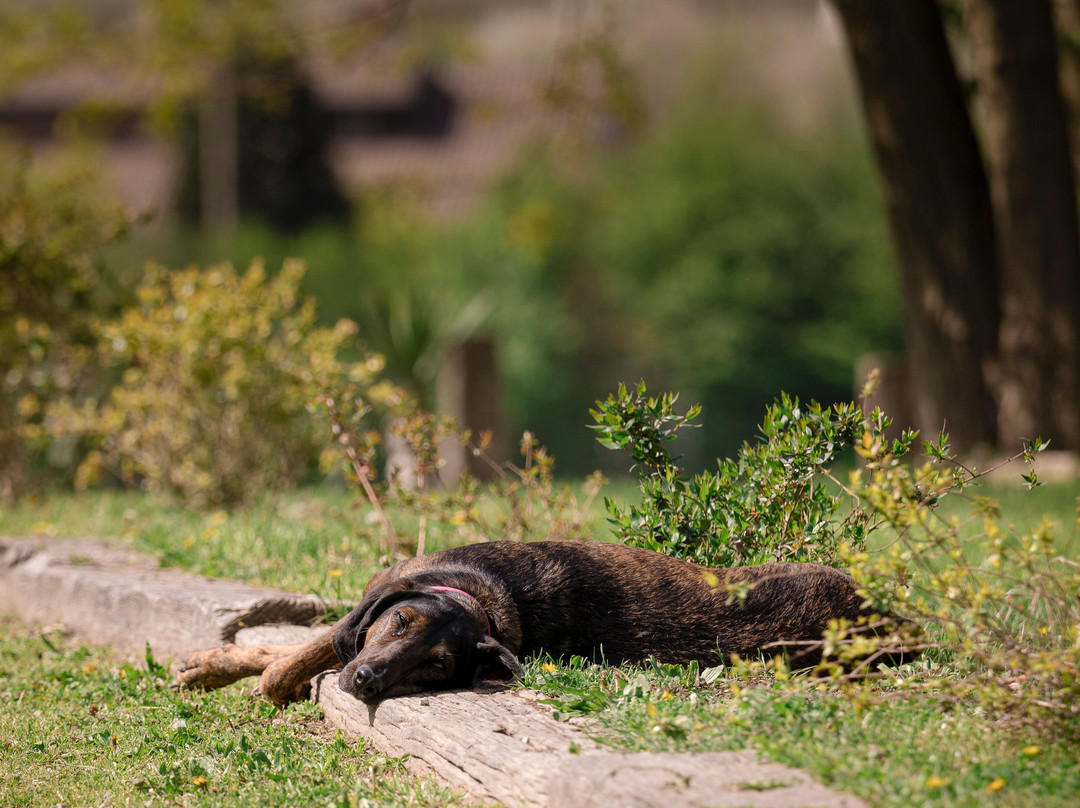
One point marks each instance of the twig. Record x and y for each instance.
(362, 470)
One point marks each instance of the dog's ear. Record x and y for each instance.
(496, 666)
(351, 630)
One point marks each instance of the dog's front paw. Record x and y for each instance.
(210, 669)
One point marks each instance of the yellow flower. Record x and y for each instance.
(996, 785)
(1032, 751)
(198, 782)
(335, 573)
(936, 782)
(666, 696)
(218, 518)
(548, 667)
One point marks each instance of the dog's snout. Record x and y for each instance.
(364, 679)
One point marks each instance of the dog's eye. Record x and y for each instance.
(400, 623)
(439, 664)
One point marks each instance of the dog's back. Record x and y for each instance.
(627, 604)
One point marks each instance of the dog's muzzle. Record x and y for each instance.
(364, 683)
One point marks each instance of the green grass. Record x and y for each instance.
(898, 752)
(319, 541)
(77, 727)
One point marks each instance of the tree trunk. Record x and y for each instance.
(938, 202)
(1067, 22)
(1033, 190)
(218, 145)
(11, 461)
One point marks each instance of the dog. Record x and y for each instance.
(465, 617)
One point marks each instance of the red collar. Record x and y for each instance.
(470, 597)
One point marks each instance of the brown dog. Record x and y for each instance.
(462, 618)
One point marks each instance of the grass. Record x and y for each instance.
(318, 541)
(891, 752)
(79, 728)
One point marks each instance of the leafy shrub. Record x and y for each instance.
(998, 605)
(1002, 600)
(769, 503)
(51, 282)
(217, 370)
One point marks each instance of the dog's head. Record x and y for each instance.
(406, 638)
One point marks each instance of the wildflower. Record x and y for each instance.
(548, 667)
(996, 785)
(1032, 751)
(936, 782)
(335, 573)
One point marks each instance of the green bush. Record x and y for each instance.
(216, 374)
(998, 603)
(769, 503)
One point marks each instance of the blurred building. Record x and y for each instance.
(448, 130)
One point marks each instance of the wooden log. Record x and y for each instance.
(506, 748)
(108, 594)
(496, 747)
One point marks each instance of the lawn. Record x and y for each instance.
(81, 727)
(78, 727)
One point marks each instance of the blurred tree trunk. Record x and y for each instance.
(218, 146)
(11, 465)
(938, 201)
(1034, 197)
(1067, 22)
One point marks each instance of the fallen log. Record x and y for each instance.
(506, 748)
(109, 594)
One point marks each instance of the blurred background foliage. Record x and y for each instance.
(714, 248)
(720, 254)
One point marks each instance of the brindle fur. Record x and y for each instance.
(602, 601)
